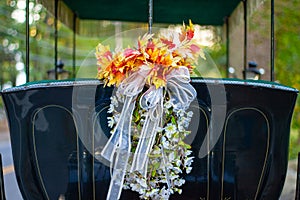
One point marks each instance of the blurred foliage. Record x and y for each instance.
(294, 147)
(218, 54)
(287, 48)
(287, 60)
(9, 44)
(287, 52)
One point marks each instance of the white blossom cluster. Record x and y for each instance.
(114, 103)
(170, 155)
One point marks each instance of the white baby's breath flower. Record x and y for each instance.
(126, 186)
(156, 150)
(170, 129)
(168, 165)
(159, 129)
(144, 114)
(173, 176)
(178, 163)
(186, 122)
(177, 170)
(111, 108)
(120, 97)
(171, 191)
(168, 104)
(152, 192)
(165, 143)
(164, 193)
(190, 114)
(168, 134)
(175, 138)
(188, 152)
(180, 127)
(188, 161)
(188, 170)
(110, 122)
(171, 156)
(135, 187)
(116, 117)
(186, 133)
(163, 180)
(142, 182)
(114, 101)
(179, 191)
(179, 182)
(180, 113)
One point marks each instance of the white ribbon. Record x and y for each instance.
(180, 91)
(152, 101)
(181, 94)
(119, 144)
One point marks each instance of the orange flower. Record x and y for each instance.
(187, 32)
(169, 43)
(190, 30)
(160, 54)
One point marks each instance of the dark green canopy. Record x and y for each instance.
(204, 12)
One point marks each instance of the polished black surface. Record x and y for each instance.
(240, 139)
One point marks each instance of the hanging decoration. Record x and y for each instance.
(149, 112)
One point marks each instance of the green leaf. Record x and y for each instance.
(173, 120)
(153, 173)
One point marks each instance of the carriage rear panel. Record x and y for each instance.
(57, 129)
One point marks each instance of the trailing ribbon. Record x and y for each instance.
(118, 148)
(119, 144)
(152, 101)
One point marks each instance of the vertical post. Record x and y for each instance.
(1, 79)
(227, 47)
(297, 197)
(27, 41)
(245, 37)
(150, 19)
(2, 190)
(55, 36)
(74, 45)
(272, 42)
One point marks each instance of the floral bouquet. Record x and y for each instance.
(149, 116)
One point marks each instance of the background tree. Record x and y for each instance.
(287, 51)
(9, 46)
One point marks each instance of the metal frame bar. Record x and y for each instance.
(272, 75)
(297, 196)
(27, 42)
(74, 45)
(2, 189)
(245, 37)
(55, 37)
(227, 46)
(150, 19)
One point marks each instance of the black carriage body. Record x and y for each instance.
(55, 137)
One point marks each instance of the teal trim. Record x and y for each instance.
(53, 83)
(236, 81)
(82, 81)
